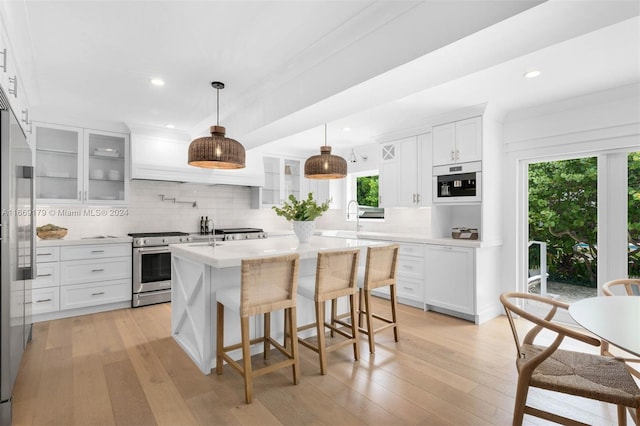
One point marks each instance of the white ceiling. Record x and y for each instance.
(290, 66)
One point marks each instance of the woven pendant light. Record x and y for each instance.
(217, 151)
(325, 165)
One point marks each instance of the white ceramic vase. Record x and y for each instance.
(304, 229)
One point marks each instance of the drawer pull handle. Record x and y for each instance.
(44, 275)
(45, 254)
(97, 251)
(100, 293)
(97, 270)
(43, 300)
(407, 288)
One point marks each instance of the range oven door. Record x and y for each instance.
(151, 269)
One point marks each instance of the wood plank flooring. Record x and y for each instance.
(123, 368)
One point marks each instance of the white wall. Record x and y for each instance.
(607, 121)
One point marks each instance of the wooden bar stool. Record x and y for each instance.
(379, 271)
(336, 276)
(267, 285)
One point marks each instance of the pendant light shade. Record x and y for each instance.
(217, 151)
(325, 165)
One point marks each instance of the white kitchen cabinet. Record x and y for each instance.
(77, 165)
(450, 278)
(282, 177)
(45, 294)
(82, 278)
(405, 172)
(457, 142)
(410, 276)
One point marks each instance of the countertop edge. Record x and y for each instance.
(82, 241)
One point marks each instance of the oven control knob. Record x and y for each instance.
(140, 242)
(165, 241)
(246, 237)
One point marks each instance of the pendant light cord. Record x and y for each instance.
(325, 134)
(217, 106)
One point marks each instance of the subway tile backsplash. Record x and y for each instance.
(230, 206)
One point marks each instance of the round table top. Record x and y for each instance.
(615, 319)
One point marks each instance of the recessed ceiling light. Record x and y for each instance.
(170, 126)
(157, 82)
(532, 74)
(346, 129)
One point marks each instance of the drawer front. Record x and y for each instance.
(47, 275)
(410, 289)
(45, 300)
(47, 254)
(85, 271)
(408, 249)
(412, 267)
(95, 251)
(82, 295)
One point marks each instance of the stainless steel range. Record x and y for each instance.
(231, 234)
(151, 281)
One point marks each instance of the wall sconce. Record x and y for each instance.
(354, 159)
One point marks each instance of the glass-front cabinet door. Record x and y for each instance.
(75, 165)
(282, 178)
(106, 171)
(58, 164)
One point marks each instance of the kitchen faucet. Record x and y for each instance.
(212, 238)
(357, 213)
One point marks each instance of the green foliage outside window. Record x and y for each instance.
(367, 191)
(563, 212)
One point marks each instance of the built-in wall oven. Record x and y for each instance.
(457, 184)
(151, 278)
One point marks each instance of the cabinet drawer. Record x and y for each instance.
(412, 267)
(47, 254)
(410, 289)
(81, 295)
(407, 249)
(96, 251)
(47, 275)
(45, 300)
(84, 271)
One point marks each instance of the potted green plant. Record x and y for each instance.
(302, 214)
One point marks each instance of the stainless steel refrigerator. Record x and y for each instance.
(17, 250)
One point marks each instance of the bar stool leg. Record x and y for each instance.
(246, 360)
(293, 321)
(370, 332)
(219, 337)
(320, 306)
(354, 327)
(394, 307)
(334, 314)
(267, 332)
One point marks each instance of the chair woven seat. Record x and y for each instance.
(583, 374)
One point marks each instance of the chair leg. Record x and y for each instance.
(320, 307)
(219, 337)
(354, 327)
(394, 313)
(370, 332)
(267, 333)
(622, 415)
(522, 390)
(334, 313)
(293, 321)
(246, 360)
(360, 305)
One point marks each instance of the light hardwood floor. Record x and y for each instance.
(122, 367)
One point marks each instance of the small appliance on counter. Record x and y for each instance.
(464, 233)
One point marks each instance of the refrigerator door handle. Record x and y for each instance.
(28, 273)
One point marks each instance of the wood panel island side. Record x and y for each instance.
(198, 270)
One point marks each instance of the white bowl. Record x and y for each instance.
(96, 174)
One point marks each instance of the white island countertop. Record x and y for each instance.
(230, 253)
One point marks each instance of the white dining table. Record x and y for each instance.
(615, 319)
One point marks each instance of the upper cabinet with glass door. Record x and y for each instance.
(282, 178)
(75, 165)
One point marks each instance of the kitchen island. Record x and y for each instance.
(199, 269)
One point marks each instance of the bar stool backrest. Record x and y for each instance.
(336, 274)
(268, 284)
(381, 267)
